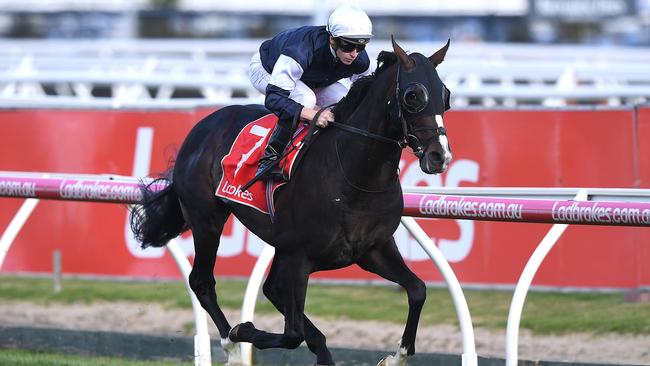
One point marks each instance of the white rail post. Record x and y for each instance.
(202, 348)
(15, 225)
(519, 296)
(469, 357)
(250, 297)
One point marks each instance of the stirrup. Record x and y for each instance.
(266, 172)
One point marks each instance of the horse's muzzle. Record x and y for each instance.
(433, 162)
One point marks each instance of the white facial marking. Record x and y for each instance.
(439, 120)
(444, 142)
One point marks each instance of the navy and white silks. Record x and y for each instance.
(299, 68)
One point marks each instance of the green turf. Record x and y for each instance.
(544, 312)
(26, 358)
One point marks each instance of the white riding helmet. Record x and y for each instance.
(350, 23)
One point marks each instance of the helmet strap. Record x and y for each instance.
(335, 47)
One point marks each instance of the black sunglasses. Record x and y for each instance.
(346, 46)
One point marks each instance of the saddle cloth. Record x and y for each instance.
(240, 164)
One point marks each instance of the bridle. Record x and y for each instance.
(395, 115)
(408, 132)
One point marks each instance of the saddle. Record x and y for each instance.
(240, 164)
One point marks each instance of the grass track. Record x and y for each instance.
(25, 358)
(544, 312)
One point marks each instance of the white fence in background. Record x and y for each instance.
(198, 72)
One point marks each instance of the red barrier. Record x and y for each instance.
(643, 142)
(550, 148)
(643, 156)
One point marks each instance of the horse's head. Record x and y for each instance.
(421, 101)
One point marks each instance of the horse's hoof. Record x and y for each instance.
(392, 361)
(238, 333)
(231, 350)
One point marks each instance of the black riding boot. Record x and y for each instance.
(273, 151)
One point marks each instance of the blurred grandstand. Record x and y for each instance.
(179, 52)
(619, 22)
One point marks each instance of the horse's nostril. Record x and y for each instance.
(436, 156)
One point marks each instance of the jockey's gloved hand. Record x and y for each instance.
(325, 118)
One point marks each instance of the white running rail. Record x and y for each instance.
(525, 280)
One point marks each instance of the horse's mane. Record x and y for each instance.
(360, 88)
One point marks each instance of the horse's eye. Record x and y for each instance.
(415, 97)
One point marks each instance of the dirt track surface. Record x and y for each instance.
(154, 319)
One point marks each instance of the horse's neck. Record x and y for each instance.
(372, 113)
(367, 161)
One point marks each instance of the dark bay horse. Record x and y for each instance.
(341, 207)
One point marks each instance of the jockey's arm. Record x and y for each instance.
(278, 102)
(283, 80)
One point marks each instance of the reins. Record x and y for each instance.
(367, 134)
(347, 180)
(363, 133)
(352, 129)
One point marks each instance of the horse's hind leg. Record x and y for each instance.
(314, 338)
(386, 261)
(293, 272)
(206, 221)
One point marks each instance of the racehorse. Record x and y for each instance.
(339, 208)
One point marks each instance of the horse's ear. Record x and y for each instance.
(437, 58)
(403, 57)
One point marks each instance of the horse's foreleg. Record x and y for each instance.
(293, 274)
(314, 338)
(386, 261)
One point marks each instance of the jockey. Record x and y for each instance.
(302, 69)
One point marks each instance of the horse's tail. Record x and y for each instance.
(157, 218)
